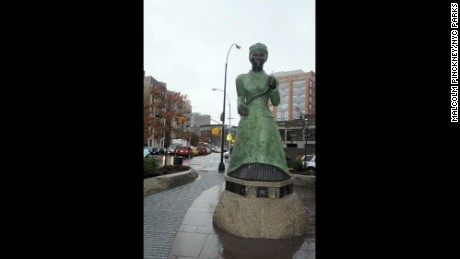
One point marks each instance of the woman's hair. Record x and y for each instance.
(258, 46)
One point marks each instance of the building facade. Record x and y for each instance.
(297, 92)
(198, 119)
(295, 115)
(299, 134)
(166, 114)
(154, 107)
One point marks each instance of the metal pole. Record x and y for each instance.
(305, 121)
(306, 141)
(222, 165)
(305, 148)
(229, 107)
(229, 114)
(230, 125)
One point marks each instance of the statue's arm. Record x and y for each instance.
(240, 90)
(242, 108)
(275, 94)
(241, 100)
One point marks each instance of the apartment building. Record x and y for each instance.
(295, 115)
(166, 114)
(153, 107)
(297, 92)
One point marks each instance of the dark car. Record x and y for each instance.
(157, 151)
(171, 149)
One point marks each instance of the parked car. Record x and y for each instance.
(309, 162)
(157, 151)
(171, 150)
(202, 150)
(184, 151)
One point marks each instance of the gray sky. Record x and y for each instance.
(186, 44)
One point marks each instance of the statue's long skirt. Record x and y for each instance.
(258, 153)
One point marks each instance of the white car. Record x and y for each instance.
(309, 163)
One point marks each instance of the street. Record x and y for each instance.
(199, 163)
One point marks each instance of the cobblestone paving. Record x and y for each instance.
(164, 212)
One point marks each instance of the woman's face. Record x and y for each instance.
(258, 58)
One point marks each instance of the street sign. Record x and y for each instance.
(215, 132)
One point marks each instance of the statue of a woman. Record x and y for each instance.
(258, 154)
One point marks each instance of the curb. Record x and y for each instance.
(157, 184)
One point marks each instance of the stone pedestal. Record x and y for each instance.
(253, 209)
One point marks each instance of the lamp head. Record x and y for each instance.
(237, 46)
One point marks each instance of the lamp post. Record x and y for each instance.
(222, 165)
(229, 107)
(305, 121)
(305, 125)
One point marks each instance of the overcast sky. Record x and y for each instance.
(186, 44)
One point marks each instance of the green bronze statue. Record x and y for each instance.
(258, 154)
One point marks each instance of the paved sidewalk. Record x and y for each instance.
(165, 211)
(197, 238)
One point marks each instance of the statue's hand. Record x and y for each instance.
(242, 110)
(271, 82)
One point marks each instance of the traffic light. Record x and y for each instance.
(180, 119)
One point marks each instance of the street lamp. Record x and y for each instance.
(229, 107)
(306, 137)
(222, 165)
(305, 125)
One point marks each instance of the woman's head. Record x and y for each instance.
(258, 54)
